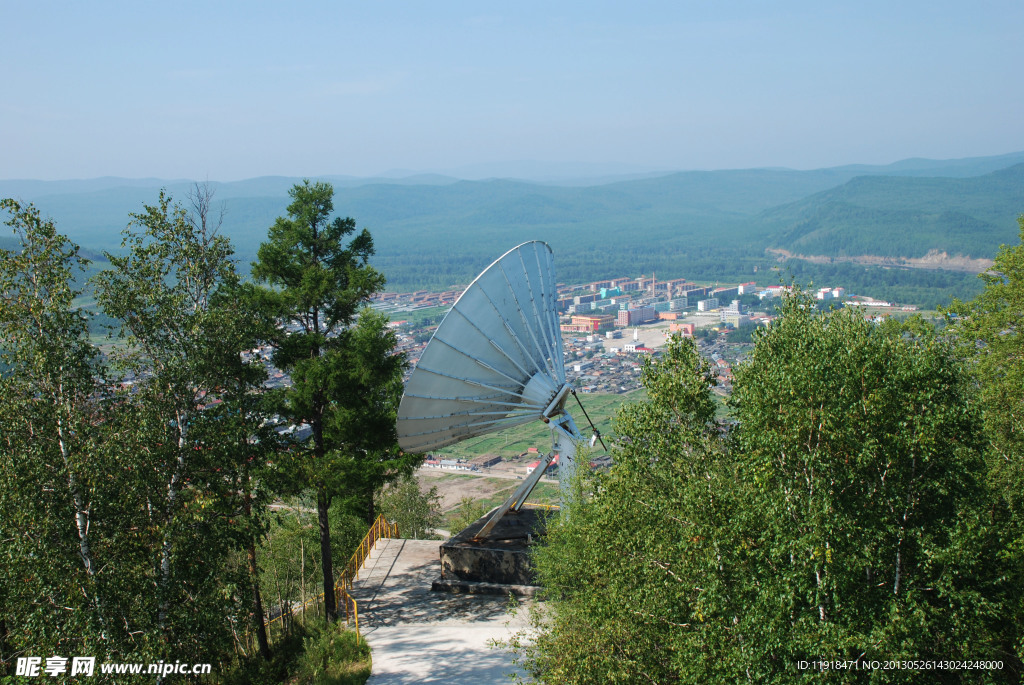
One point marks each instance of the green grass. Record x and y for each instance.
(498, 496)
(722, 410)
(334, 656)
(452, 476)
(545, 493)
(415, 318)
(311, 653)
(514, 441)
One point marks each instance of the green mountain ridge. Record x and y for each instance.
(436, 232)
(903, 216)
(950, 168)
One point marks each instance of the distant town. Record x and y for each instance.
(609, 325)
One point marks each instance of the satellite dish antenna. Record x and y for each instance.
(496, 361)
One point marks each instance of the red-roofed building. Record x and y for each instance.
(530, 468)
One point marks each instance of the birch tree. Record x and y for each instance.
(48, 473)
(195, 410)
(860, 450)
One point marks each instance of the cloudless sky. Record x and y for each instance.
(231, 90)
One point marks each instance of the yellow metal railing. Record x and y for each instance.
(380, 529)
(546, 507)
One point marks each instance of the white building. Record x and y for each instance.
(707, 305)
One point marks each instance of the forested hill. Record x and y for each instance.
(435, 231)
(903, 217)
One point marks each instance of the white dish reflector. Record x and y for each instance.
(496, 359)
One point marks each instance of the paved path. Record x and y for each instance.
(420, 636)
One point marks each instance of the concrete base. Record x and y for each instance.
(472, 587)
(502, 559)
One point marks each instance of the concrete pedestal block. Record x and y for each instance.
(503, 558)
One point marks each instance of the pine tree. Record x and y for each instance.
(346, 379)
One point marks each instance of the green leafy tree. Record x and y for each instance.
(194, 412)
(990, 330)
(843, 517)
(417, 512)
(346, 379)
(860, 451)
(53, 585)
(78, 537)
(242, 445)
(635, 576)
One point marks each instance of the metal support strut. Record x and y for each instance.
(564, 436)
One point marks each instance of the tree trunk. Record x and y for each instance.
(371, 509)
(82, 512)
(261, 628)
(4, 651)
(163, 584)
(254, 572)
(322, 506)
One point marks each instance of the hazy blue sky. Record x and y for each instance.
(231, 90)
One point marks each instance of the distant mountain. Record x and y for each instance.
(273, 186)
(438, 231)
(555, 173)
(903, 216)
(948, 168)
(550, 172)
(9, 243)
(452, 212)
(543, 173)
(28, 190)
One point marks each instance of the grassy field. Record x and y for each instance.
(491, 492)
(544, 493)
(515, 441)
(416, 317)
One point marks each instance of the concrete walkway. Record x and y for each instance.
(420, 636)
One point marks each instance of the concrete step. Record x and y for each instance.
(422, 636)
(378, 564)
